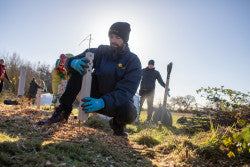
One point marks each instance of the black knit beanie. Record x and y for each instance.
(152, 62)
(122, 29)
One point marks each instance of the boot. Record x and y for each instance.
(61, 114)
(118, 128)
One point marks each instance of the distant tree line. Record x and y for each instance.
(13, 62)
(182, 103)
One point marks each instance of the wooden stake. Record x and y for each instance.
(58, 92)
(61, 89)
(79, 125)
(38, 100)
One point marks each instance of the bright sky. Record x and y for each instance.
(208, 41)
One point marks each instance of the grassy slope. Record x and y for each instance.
(23, 143)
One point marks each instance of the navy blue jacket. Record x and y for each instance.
(149, 77)
(33, 89)
(116, 76)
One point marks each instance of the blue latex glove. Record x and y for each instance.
(80, 65)
(168, 92)
(91, 104)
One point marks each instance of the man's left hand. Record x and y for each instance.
(91, 104)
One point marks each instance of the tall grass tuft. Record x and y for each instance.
(147, 139)
(95, 121)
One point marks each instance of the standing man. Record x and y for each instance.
(33, 90)
(147, 88)
(116, 77)
(3, 73)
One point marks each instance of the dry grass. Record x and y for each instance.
(60, 144)
(22, 142)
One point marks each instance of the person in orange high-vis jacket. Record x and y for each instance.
(3, 73)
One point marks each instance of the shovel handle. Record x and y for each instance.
(169, 69)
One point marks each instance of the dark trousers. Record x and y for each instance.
(1, 85)
(149, 96)
(125, 114)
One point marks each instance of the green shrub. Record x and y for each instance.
(231, 145)
(231, 107)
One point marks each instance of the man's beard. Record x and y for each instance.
(117, 47)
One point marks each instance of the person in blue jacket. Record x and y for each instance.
(115, 79)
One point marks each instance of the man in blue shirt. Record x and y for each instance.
(116, 77)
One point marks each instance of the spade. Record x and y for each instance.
(163, 114)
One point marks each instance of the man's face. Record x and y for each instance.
(150, 66)
(116, 42)
(1, 62)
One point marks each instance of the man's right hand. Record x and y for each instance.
(80, 65)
